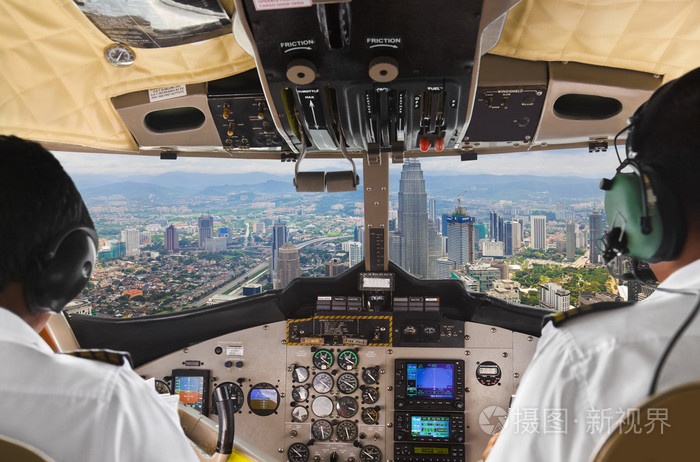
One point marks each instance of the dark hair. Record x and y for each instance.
(38, 201)
(667, 138)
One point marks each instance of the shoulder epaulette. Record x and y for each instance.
(117, 358)
(560, 317)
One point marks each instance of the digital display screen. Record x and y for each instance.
(430, 426)
(488, 370)
(191, 391)
(430, 380)
(419, 450)
(263, 399)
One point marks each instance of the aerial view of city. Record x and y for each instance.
(177, 241)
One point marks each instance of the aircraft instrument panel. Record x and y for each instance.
(344, 386)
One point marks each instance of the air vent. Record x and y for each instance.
(174, 119)
(586, 107)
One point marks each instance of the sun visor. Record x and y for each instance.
(648, 36)
(56, 81)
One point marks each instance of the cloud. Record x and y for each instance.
(563, 162)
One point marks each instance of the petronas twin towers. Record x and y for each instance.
(409, 243)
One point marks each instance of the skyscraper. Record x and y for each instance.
(206, 229)
(434, 249)
(432, 212)
(288, 266)
(595, 222)
(131, 239)
(512, 235)
(539, 232)
(359, 234)
(171, 239)
(460, 232)
(493, 226)
(356, 253)
(413, 219)
(571, 240)
(279, 238)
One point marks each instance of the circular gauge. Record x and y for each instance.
(347, 360)
(370, 416)
(263, 399)
(371, 375)
(488, 373)
(370, 454)
(347, 383)
(300, 374)
(323, 382)
(300, 394)
(322, 406)
(323, 359)
(235, 392)
(119, 55)
(298, 452)
(370, 395)
(162, 388)
(346, 407)
(346, 431)
(299, 414)
(321, 430)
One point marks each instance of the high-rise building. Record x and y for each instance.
(512, 237)
(493, 226)
(595, 223)
(172, 242)
(554, 297)
(215, 244)
(460, 232)
(288, 266)
(205, 224)
(434, 249)
(432, 212)
(279, 238)
(356, 253)
(359, 234)
(571, 240)
(131, 238)
(335, 267)
(395, 248)
(443, 268)
(413, 219)
(503, 267)
(443, 223)
(485, 274)
(539, 232)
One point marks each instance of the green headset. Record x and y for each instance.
(643, 212)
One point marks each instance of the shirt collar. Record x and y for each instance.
(14, 329)
(687, 277)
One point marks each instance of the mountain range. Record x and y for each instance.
(182, 184)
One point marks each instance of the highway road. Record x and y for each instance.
(239, 281)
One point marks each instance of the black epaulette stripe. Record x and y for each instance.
(560, 317)
(117, 358)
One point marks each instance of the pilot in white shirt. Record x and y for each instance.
(71, 409)
(75, 409)
(594, 367)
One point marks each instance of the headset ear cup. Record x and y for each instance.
(58, 275)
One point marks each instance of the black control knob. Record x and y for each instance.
(334, 457)
(399, 436)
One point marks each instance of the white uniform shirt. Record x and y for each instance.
(76, 409)
(588, 371)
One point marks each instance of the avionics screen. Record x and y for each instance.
(263, 398)
(192, 386)
(430, 426)
(420, 450)
(430, 380)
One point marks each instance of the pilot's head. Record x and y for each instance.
(666, 137)
(654, 210)
(43, 259)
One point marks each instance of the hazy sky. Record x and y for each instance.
(565, 163)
